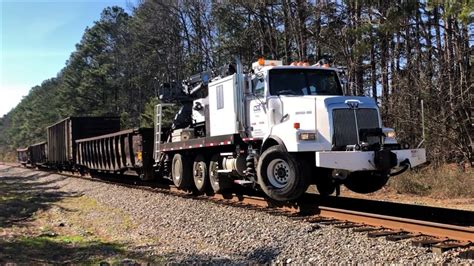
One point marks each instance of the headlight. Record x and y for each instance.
(391, 134)
(306, 136)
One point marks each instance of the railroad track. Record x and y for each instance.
(440, 229)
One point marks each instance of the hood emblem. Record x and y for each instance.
(353, 104)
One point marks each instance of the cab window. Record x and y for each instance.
(258, 86)
(301, 82)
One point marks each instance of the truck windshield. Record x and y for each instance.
(304, 82)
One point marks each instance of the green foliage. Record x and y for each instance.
(148, 115)
(398, 52)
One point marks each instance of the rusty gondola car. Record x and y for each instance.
(118, 152)
(61, 137)
(33, 155)
(23, 156)
(38, 155)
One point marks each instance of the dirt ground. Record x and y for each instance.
(41, 224)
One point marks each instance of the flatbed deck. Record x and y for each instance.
(224, 140)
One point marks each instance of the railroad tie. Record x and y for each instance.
(335, 222)
(348, 225)
(382, 233)
(365, 229)
(426, 243)
(401, 236)
(448, 245)
(318, 219)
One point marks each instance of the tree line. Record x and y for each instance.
(399, 52)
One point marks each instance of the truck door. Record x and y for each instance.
(257, 108)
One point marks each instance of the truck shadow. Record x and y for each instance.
(21, 197)
(262, 255)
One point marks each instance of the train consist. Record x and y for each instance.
(59, 151)
(275, 128)
(33, 155)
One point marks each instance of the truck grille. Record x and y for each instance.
(345, 131)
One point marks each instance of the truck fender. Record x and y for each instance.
(272, 141)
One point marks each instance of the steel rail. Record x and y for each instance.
(311, 209)
(454, 232)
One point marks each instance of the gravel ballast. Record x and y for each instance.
(176, 229)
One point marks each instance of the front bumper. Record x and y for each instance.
(364, 160)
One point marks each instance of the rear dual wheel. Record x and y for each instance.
(190, 174)
(200, 173)
(181, 171)
(219, 182)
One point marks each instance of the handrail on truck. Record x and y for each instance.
(158, 122)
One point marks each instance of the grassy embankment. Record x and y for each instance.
(448, 181)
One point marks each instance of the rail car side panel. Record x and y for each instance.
(38, 153)
(130, 149)
(23, 156)
(62, 135)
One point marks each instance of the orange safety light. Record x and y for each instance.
(296, 125)
(261, 61)
(293, 64)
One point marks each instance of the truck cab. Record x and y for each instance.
(290, 104)
(303, 110)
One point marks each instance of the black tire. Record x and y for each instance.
(200, 173)
(219, 184)
(145, 173)
(143, 177)
(280, 176)
(181, 171)
(323, 180)
(325, 186)
(366, 181)
(82, 171)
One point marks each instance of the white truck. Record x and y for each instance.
(279, 129)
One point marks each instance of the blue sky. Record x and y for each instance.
(36, 39)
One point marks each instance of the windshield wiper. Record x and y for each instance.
(290, 92)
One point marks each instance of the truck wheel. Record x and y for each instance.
(82, 171)
(218, 182)
(200, 173)
(280, 176)
(145, 174)
(325, 186)
(366, 181)
(181, 171)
